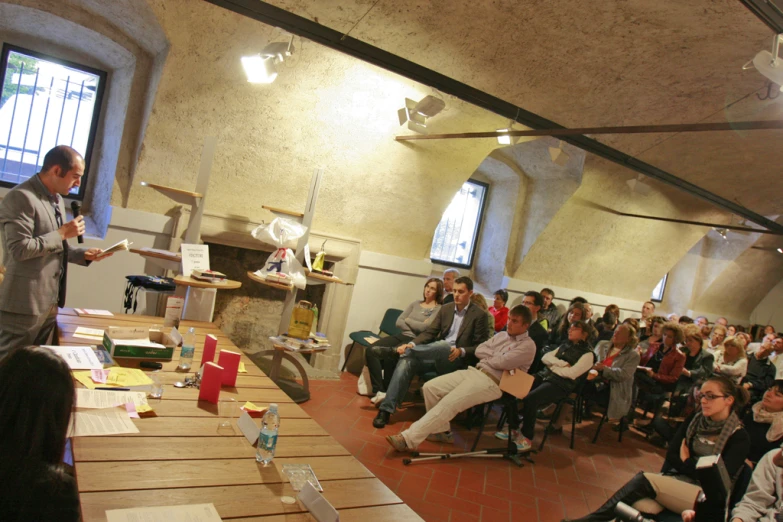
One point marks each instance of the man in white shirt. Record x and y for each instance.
(715, 343)
(648, 310)
(447, 395)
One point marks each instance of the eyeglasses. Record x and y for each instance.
(709, 396)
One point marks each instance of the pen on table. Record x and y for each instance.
(113, 389)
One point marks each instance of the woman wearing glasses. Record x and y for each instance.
(713, 430)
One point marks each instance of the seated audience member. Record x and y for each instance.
(447, 395)
(607, 326)
(763, 500)
(761, 372)
(672, 318)
(36, 400)
(633, 322)
(499, 310)
(699, 363)
(740, 328)
(610, 381)
(777, 357)
(732, 361)
(715, 343)
(559, 335)
(722, 321)
(701, 321)
(706, 333)
(731, 330)
(589, 314)
(448, 344)
(549, 312)
(684, 319)
(381, 357)
(478, 300)
(612, 308)
(715, 430)
(764, 422)
(648, 310)
(769, 330)
(653, 341)
(564, 368)
(662, 369)
(533, 302)
(578, 299)
(449, 275)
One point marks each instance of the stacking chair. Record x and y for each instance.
(604, 418)
(576, 400)
(388, 327)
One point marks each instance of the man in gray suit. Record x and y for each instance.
(447, 345)
(36, 251)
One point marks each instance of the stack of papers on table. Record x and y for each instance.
(78, 357)
(95, 423)
(90, 311)
(294, 345)
(118, 378)
(102, 399)
(91, 334)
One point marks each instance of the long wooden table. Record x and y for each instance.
(179, 457)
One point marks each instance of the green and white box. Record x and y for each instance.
(139, 342)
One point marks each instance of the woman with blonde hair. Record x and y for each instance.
(732, 361)
(479, 300)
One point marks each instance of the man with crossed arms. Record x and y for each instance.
(449, 394)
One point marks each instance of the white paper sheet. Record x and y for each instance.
(192, 513)
(94, 423)
(248, 428)
(78, 357)
(194, 257)
(101, 399)
(92, 334)
(318, 506)
(90, 311)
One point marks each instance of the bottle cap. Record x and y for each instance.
(272, 405)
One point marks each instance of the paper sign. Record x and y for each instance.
(99, 376)
(192, 513)
(318, 506)
(93, 423)
(175, 336)
(90, 311)
(194, 257)
(91, 334)
(102, 399)
(242, 368)
(307, 257)
(248, 428)
(173, 314)
(78, 357)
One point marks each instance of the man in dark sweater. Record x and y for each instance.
(533, 301)
(761, 373)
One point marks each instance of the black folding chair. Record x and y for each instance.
(576, 400)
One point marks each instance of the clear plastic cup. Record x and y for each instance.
(156, 390)
(227, 412)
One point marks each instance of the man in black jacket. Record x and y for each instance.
(533, 301)
(448, 344)
(761, 373)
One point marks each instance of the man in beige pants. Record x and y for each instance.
(449, 394)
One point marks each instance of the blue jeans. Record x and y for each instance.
(417, 360)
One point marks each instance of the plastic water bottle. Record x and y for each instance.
(267, 440)
(188, 349)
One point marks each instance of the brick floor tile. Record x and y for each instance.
(488, 514)
(452, 502)
(443, 482)
(550, 511)
(472, 480)
(413, 487)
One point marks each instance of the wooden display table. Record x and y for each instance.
(179, 457)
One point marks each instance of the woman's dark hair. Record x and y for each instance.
(740, 328)
(36, 399)
(633, 322)
(676, 330)
(732, 389)
(778, 385)
(562, 328)
(578, 299)
(684, 319)
(613, 308)
(438, 292)
(502, 294)
(609, 319)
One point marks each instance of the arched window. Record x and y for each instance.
(456, 237)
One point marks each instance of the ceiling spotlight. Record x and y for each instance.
(768, 63)
(260, 68)
(506, 139)
(723, 232)
(558, 155)
(415, 114)
(780, 250)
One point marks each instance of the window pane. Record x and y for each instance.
(455, 237)
(657, 293)
(43, 104)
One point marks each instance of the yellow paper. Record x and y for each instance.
(126, 377)
(249, 406)
(242, 368)
(144, 408)
(85, 377)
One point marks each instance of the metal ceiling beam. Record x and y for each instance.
(274, 16)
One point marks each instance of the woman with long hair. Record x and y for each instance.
(559, 335)
(381, 358)
(611, 379)
(732, 361)
(36, 400)
(715, 429)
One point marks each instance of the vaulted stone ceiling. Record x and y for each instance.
(600, 63)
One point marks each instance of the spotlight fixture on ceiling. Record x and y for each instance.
(415, 114)
(723, 232)
(260, 68)
(558, 155)
(780, 250)
(768, 63)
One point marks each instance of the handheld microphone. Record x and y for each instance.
(76, 208)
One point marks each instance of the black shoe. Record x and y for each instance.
(381, 419)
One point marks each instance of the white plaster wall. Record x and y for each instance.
(770, 309)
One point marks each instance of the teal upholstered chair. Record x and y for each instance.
(388, 327)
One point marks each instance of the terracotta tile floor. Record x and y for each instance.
(561, 483)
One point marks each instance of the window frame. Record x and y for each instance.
(480, 222)
(665, 279)
(96, 113)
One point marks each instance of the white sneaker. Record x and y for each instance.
(378, 399)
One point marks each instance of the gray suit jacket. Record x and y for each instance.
(32, 250)
(620, 376)
(473, 331)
